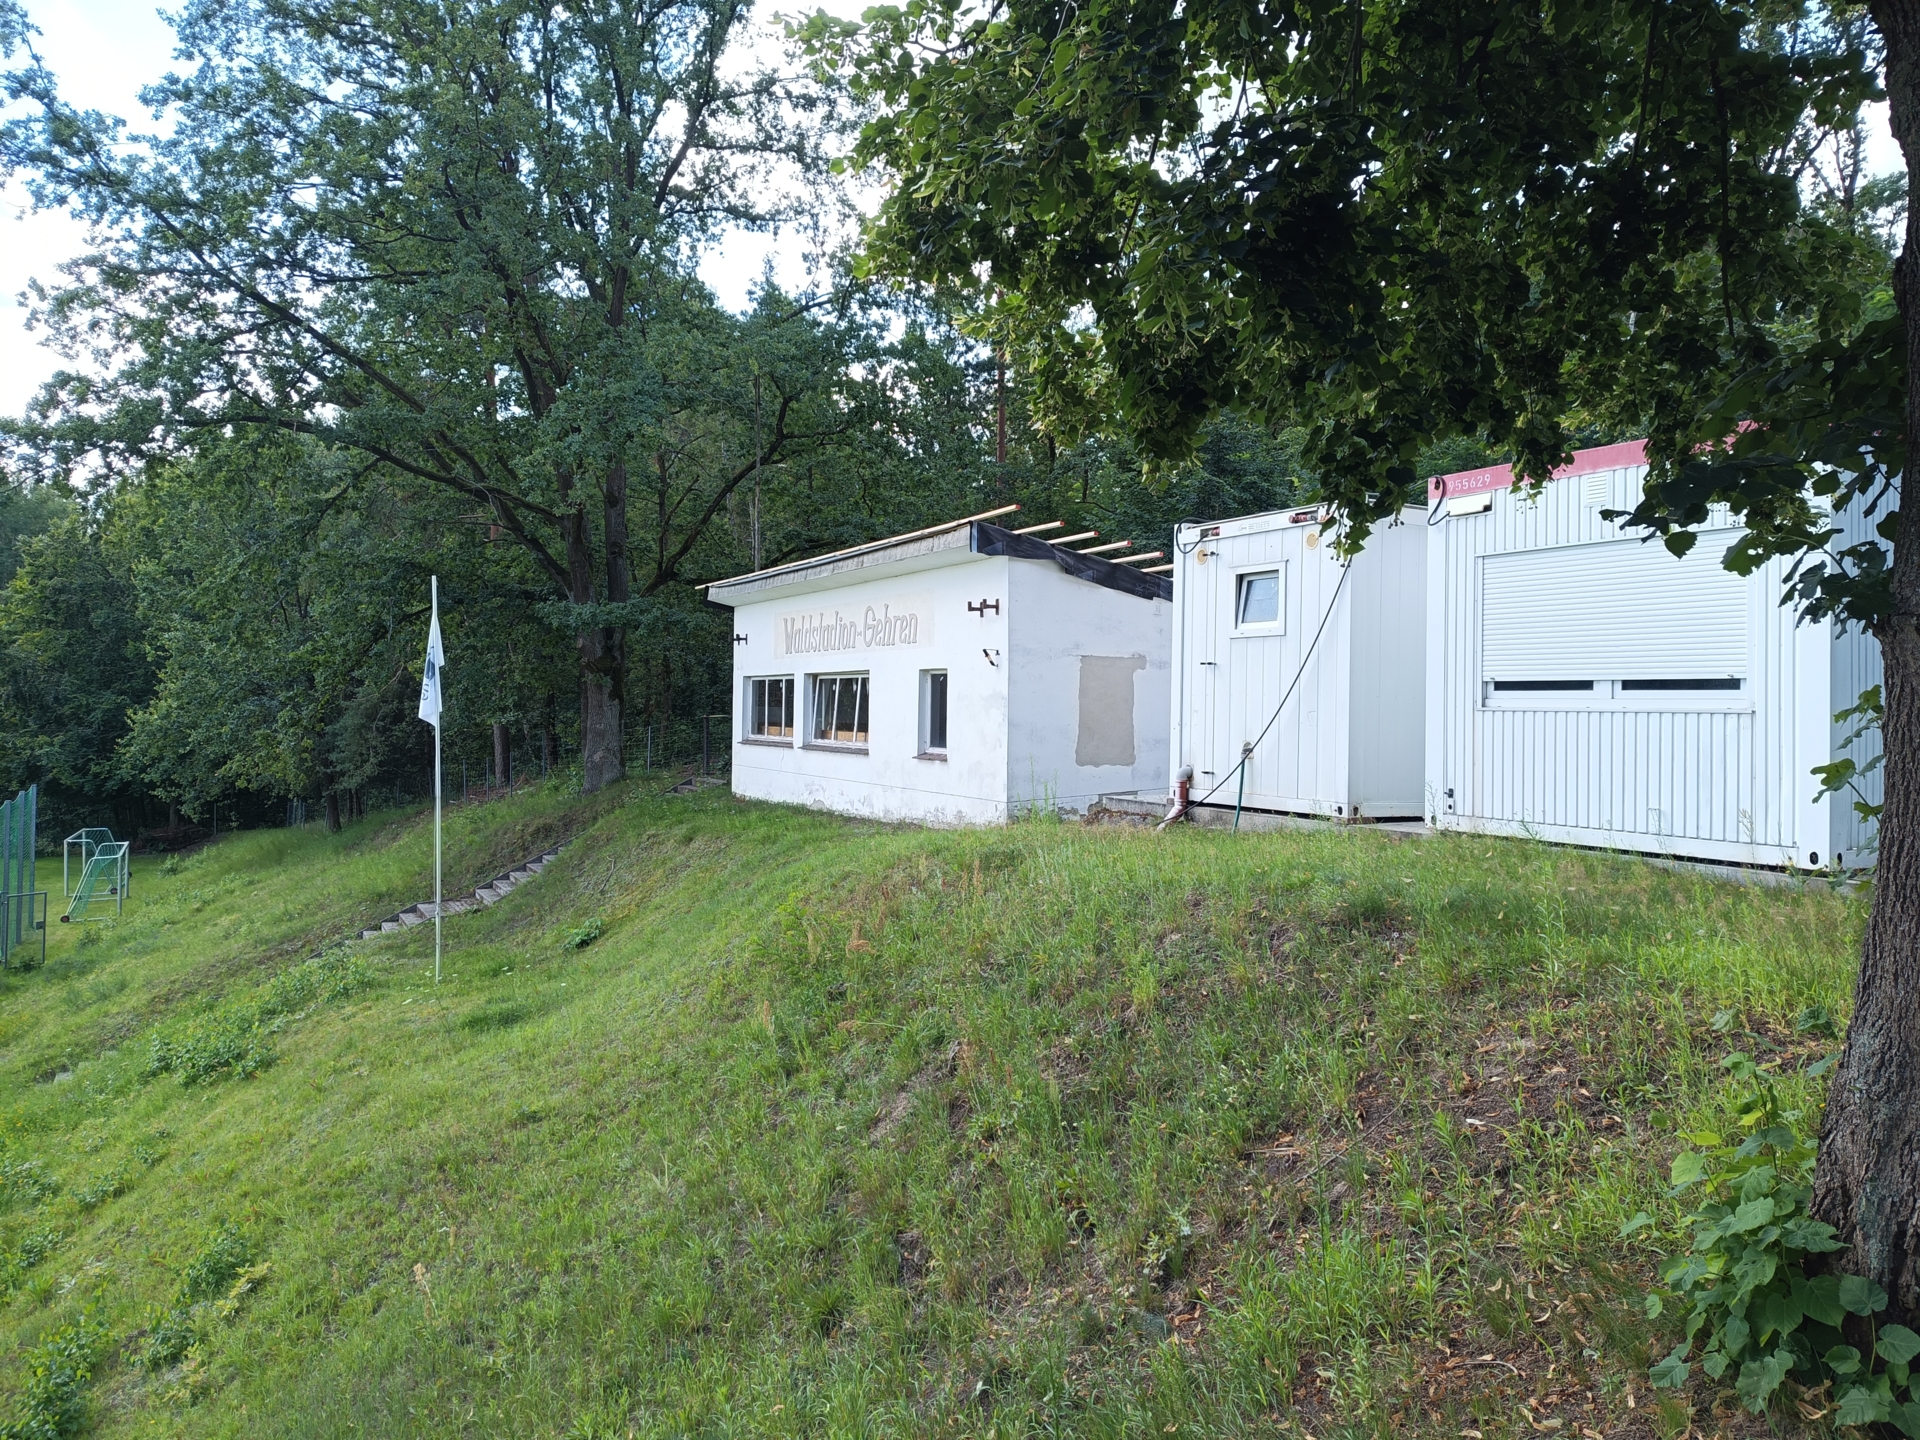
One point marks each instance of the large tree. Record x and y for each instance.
(1393, 221)
(453, 239)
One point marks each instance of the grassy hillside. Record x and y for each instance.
(841, 1129)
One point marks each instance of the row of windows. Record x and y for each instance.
(837, 710)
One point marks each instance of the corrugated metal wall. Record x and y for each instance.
(1856, 667)
(1541, 589)
(1347, 742)
(1233, 679)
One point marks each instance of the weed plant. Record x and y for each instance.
(847, 1129)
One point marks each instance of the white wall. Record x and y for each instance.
(1712, 775)
(1055, 622)
(1347, 741)
(1856, 666)
(1387, 636)
(889, 782)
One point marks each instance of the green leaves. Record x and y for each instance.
(1671, 1372)
(1749, 1217)
(1760, 1378)
(1820, 1298)
(1862, 1405)
(1862, 1297)
(1323, 251)
(1750, 1305)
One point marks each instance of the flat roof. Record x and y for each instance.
(953, 542)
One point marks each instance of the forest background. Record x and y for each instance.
(217, 526)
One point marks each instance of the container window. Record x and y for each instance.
(1543, 685)
(770, 708)
(840, 709)
(1259, 599)
(933, 712)
(1723, 682)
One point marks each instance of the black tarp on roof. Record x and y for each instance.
(1096, 569)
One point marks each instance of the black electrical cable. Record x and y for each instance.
(1246, 752)
(1187, 549)
(1437, 511)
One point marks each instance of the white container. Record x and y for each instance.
(1587, 687)
(1249, 596)
(1050, 671)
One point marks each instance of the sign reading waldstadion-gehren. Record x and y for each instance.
(845, 632)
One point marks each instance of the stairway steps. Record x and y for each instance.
(494, 890)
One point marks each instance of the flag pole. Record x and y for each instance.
(436, 807)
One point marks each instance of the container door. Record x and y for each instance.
(1255, 594)
(1203, 662)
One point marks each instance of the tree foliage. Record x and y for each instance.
(454, 243)
(1386, 223)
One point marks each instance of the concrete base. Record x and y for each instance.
(1220, 817)
(1129, 808)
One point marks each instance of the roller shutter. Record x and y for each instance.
(1617, 610)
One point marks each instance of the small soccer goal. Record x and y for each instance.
(106, 872)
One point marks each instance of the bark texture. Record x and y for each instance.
(1868, 1183)
(602, 649)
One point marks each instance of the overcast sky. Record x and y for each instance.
(105, 51)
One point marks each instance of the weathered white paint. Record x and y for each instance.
(1347, 743)
(1014, 681)
(1540, 588)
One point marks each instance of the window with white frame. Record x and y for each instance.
(933, 712)
(770, 707)
(1256, 601)
(839, 710)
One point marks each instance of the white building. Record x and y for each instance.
(955, 675)
(1250, 597)
(1585, 686)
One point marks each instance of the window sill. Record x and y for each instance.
(836, 747)
(767, 740)
(939, 755)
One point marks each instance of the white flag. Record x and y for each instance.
(430, 681)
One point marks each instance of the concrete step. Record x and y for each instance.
(495, 889)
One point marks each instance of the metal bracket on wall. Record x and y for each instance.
(739, 639)
(990, 654)
(982, 608)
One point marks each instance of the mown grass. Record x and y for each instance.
(832, 1128)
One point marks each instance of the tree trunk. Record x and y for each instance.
(549, 748)
(1868, 1182)
(333, 812)
(603, 653)
(502, 755)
